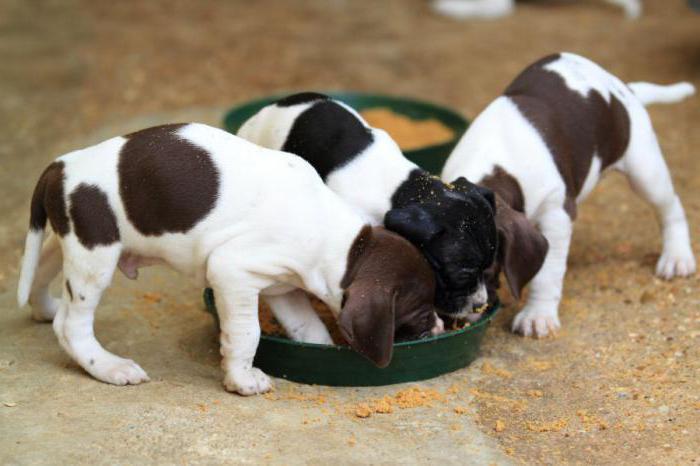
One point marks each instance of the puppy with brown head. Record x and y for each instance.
(388, 291)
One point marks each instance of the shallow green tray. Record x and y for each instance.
(431, 158)
(340, 366)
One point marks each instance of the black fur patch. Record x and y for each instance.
(574, 127)
(69, 290)
(48, 201)
(327, 136)
(93, 219)
(453, 226)
(300, 98)
(166, 183)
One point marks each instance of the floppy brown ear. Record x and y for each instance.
(367, 322)
(522, 247)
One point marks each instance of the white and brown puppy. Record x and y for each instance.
(452, 224)
(543, 145)
(245, 220)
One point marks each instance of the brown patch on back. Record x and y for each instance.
(93, 219)
(575, 128)
(506, 186)
(167, 183)
(48, 201)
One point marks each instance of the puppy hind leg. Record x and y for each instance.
(540, 315)
(44, 305)
(649, 176)
(87, 273)
(294, 312)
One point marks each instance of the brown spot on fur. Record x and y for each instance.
(93, 218)
(167, 183)
(574, 127)
(505, 185)
(69, 290)
(48, 201)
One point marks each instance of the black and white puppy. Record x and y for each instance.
(245, 220)
(452, 224)
(543, 145)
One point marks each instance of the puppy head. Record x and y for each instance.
(521, 249)
(453, 225)
(388, 294)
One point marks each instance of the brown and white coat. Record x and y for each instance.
(542, 147)
(244, 220)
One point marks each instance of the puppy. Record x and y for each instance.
(244, 220)
(543, 145)
(452, 224)
(490, 9)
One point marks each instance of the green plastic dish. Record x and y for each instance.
(340, 366)
(431, 158)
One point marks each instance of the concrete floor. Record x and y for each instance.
(619, 385)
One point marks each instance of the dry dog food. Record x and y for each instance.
(409, 134)
(270, 326)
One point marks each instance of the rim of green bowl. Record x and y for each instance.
(487, 317)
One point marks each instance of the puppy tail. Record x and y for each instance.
(649, 93)
(33, 242)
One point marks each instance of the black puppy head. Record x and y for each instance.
(453, 225)
(389, 289)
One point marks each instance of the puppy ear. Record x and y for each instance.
(413, 223)
(367, 322)
(464, 185)
(522, 247)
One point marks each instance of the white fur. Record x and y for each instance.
(267, 202)
(502, 136)
(490, 9)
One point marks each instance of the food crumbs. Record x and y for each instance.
(408, 133)
(500, 426)
(535, 393)
(363, 411)
(461, 410)
(153, 297)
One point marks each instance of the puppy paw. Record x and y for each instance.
(318, 336)
(44, 310)
(116, 370)
(675, 264)
(247, 382)
(536, 322)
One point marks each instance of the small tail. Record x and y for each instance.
(34, 241)
(649, 93)
(30, 262)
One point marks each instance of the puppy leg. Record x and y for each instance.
(236, 292)
(648, 174)
(540, 314)
(463, 9)
(87, 274)
(294, 312)
(45, 306)
(633, 8)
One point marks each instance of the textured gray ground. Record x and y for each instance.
(620, 384)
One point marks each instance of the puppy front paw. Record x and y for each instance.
(247, 381)
(536, 321)
(115, 370)
(680, 263)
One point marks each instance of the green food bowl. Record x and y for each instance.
(431, 158)
(412, 360)
(340, 366)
